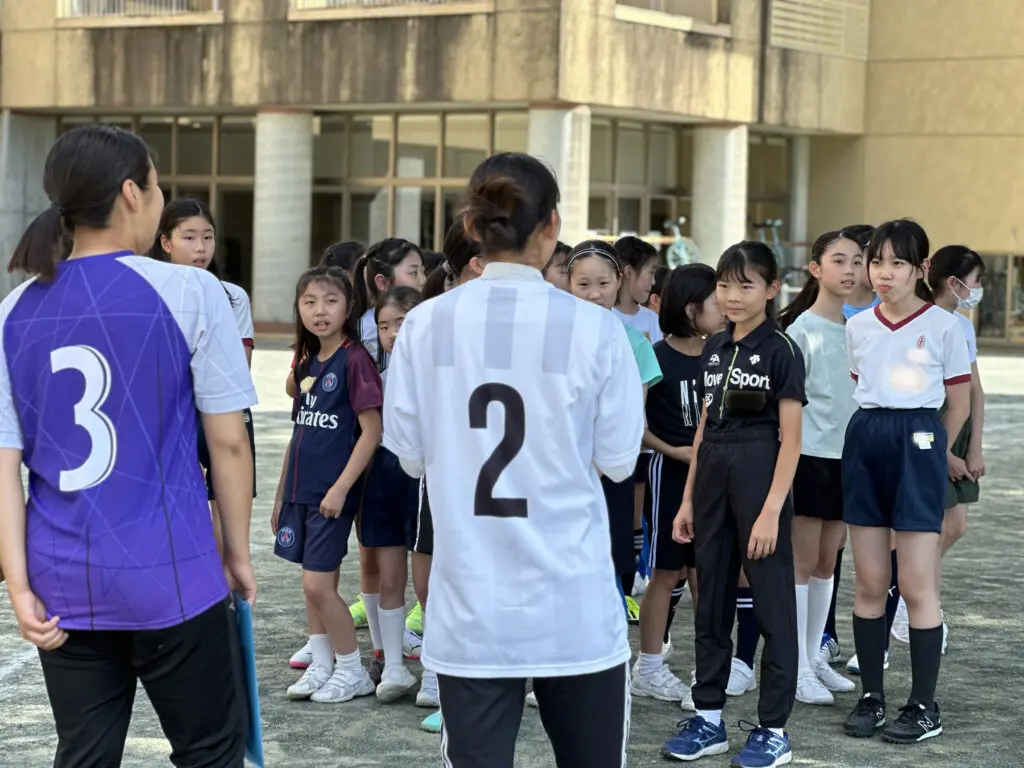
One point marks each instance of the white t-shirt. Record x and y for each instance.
(371, 341)
(540, 390)
(909, 364)
(243, 313)
(645, 321)
(828, 386)
(972, 339)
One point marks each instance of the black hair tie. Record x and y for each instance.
(60, 209)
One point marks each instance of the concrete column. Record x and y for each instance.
(282, 211)
(25, 141)
(799, 196)
(719, 208)
(561, 137)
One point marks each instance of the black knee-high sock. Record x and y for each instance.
(830, 622)
(746, 627)
(869, 639)
(893, 600)
(627, 583)
(925, 657)
(677, 594)
(638, 546)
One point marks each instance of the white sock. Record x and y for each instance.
(392, 630)
(348, 660)
(777, 731)
(649, 663)
(323, 653)
(372, 605)
(819, 599)
(801, 627)
(711, 716)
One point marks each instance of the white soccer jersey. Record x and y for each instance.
(510, 392)
(906, 364)
(243, 313)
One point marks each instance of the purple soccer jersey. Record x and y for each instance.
(102, 372)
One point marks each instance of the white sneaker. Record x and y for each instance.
(901, 623)
(831, 679)
(427, 695)
(741, 679)
(687, 704)
(639, 585)
(809, 689)
(666, 648)
(531, 700)
(853, 666)
(344, 685)
(312, 680)
(660, 684)
(829, 651)
(395, 683)
(411, 645)
(302, 657)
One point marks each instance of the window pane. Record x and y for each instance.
(120, 121)
(663, 160)
(369, 147)
(600, 151)
(660, 219)
(369, 217)
(329, 151)
(992, 311)
(510, 132)
(452, 205)
(202, 194)
(156, 131)
(67, 123)
(414, 215)
(597, 215)
(326, 223)
(238, 146)
(629, 215)
(418, 140)
(195, 146)
(630, 156)
(465, 144)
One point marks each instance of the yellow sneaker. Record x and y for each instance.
(632, 611)
(358, 611)
(414, 621)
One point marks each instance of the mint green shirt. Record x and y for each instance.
(643, 352)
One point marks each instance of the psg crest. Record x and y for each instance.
(330, 382)
(286, 537)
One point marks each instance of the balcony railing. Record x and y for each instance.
(706, 11)
(84, 9)
(390, 7)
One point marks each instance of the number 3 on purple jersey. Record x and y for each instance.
(95, 369)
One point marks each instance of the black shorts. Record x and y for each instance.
(894, 470)
(643, 464)
(315, 542)
(204, 453)
(191, 672)
(818, 488)
(668, 480)
(423, 542)
(586, 717)
(387, 509)
(619, 497)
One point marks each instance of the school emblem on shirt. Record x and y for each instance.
(920, 342)
(713, 361)
(286, 537)
(755, 359)
(307, 384)
(329, 383)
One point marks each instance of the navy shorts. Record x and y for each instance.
(619, 497)
(894, 470)
(387, 512)
(315, 542)
(668, 481)
(204, 452)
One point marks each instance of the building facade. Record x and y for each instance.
(302, 122)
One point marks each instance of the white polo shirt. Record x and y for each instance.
(906, 364)
(510, 392)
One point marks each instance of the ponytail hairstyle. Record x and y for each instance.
(809, 293)
(634, 252)
(403, 297)
(379, 260)
(860, 234)
(749, 254)
(511, 196)
(952, 261)
(436, 283)
(85, 172)
(459, 250)
(307, 344)
(343, 255)
(431, 261)
(688, 285)
(909, 243)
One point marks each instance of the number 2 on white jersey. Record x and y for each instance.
(103, 453)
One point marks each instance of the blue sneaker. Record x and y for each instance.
(696, 739)
(764, 749)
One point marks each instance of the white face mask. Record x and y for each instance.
(974, 296)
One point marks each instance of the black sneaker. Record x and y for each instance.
(376, 668)
(867, 717)
(914, 724)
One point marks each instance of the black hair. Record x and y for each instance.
(431, 260)
(909, 243)
(380, 259)
(860, 234)
(634, 252)
(598, 248)
(510, 195)
(809, 293)
(84, 174)
(435, 284)
(952, 261)
(687, 285)
(343, 255)
(561, 253)
(757, 256)
(173, 214)
(459, 249)
(307, 344)
(661, 275)
(402, 296)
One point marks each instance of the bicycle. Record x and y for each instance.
(683, 249)
(791, 277)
